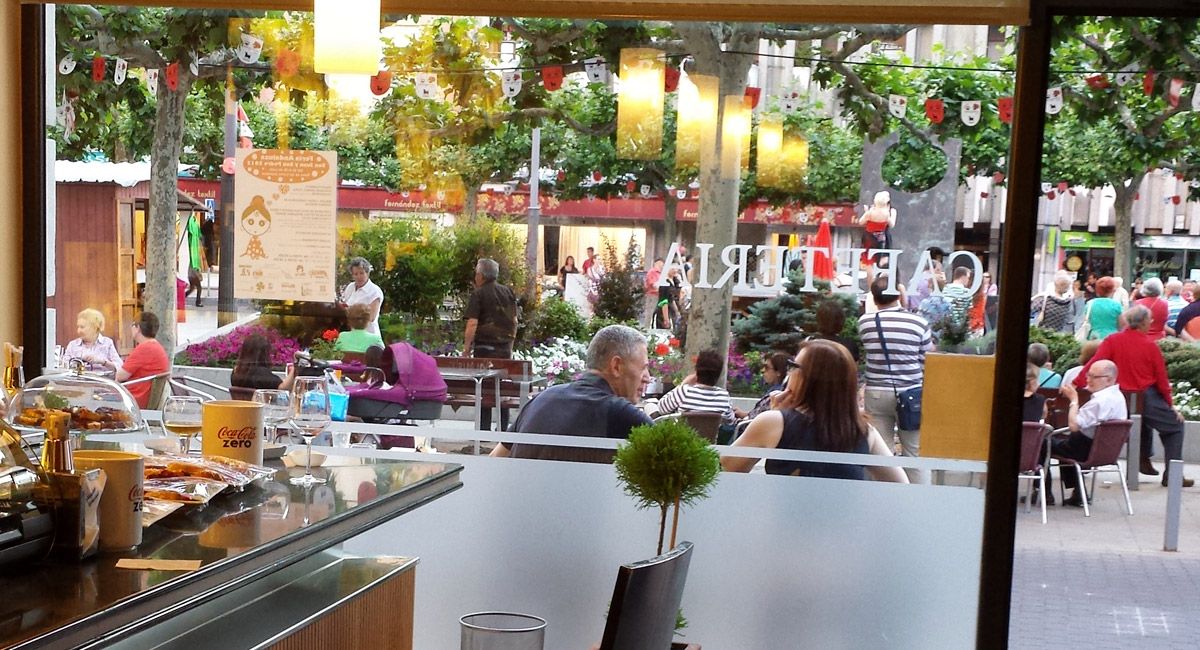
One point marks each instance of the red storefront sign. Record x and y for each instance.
(517, 203)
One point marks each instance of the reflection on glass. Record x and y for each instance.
(182, 417)
(310, 416)
(276, 408)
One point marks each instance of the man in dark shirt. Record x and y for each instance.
(491, 324)
(598, 405)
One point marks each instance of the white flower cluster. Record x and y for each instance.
(559, 360)
(1187, 399)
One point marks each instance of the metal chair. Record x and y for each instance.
(645, 600)
(1104, 456)
(1033, 437)
(158, 388)
(181, 385)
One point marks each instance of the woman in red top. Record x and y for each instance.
(877, 222)
(1151, 299)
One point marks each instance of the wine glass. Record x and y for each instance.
(276, 409)
(181, 416)
(310, 416)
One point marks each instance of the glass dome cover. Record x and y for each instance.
(96, 403)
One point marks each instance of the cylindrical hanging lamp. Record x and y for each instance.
(346, 37)
(640, 104)
(735, 137)
(696, 124)
(769, 156)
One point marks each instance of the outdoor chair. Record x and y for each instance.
(158, 389)
(1110, 437)
(182, 385)
(707, 425)
(1033, 439)
(645, 600)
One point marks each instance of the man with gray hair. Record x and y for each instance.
(600, 404)
(491, 325)
(1143, 371)
(1175, 304)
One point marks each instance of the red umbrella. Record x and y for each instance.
(823, 267)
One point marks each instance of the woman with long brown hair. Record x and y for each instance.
(818, 411)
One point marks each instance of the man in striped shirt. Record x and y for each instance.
(908, 338)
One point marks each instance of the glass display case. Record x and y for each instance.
(96, 403)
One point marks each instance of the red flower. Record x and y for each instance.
(661, 349)
(329, 335)
(674, 342)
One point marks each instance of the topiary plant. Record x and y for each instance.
(667, 464)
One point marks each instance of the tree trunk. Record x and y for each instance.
(471, 200)
(670, 215)
(1123, 225)
(662, 526)
(708, 316)
(674, 524)
(160, 228)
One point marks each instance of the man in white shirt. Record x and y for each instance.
(1107, 403)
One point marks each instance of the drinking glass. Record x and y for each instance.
(310, 415)
(181, 416)
(276, 409)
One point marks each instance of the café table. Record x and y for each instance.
(261, 557)
(477, 375)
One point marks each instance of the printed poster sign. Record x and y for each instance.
(285, 207)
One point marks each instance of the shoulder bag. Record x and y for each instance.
(1085, 328)
(908, 402)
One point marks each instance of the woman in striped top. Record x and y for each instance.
(698, 391)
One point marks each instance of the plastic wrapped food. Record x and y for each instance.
(184, 489)
(154, 510)
(216, 468)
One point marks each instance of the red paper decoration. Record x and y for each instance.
(172, 75)
(381, 82)
(998, 177)
(1097, 82)
(671, 79)
(631, 186)
(597, 176)
(1148, 82)
(98, 69)
(562, 175)
(1005, 107)
(1063, 185)
(1176, 199)
(1173, 89)
(752, 96)
(552, 77)
(287, 63)
(935, 110)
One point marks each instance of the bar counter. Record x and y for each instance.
(240, 538)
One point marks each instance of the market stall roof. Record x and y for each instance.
(126, 174)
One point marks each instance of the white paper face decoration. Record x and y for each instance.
(65, 115)
(250, 50)
(970, 112)
(120, 71)
(1196, 98)
(1054, 100)
(897, 104)
(427, 86)
(1046, 187)
(66, 65)
(791, 102)
(152, 80)
(681, 194)
(1126, 74)
(645, 189)
(596, 69)
(511, 83)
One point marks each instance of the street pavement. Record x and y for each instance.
(1104, 581)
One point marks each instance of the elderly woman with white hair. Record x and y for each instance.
(1054, 309)
(95, 350)
(363, 292)
(1152, 290)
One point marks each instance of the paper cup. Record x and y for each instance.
(121, 501)
(233, 429)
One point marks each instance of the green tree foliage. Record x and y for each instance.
(619, 294)
(555, 318)
(782, 323)
(1112, 134)
(666, 464)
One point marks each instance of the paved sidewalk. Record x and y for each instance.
(1104, 581)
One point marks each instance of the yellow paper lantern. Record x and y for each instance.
(696, 125)
(735, 137)
(640, 104)
(770, 150)
(793, 163)
(346, 36)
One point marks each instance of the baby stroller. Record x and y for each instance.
(406, 387)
